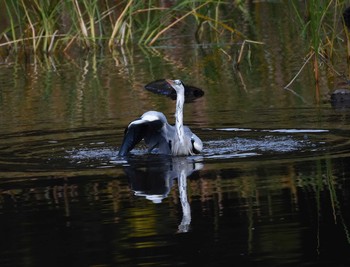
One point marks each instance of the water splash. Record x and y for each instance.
(248, 147)
(260, 142)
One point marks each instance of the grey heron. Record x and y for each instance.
(154, 129)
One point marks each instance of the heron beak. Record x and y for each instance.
(171, 82)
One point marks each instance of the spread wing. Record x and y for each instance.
(140, 129)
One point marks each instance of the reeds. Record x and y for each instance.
(318, 21)
(57, 25)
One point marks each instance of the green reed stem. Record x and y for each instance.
(83, 27)
(175, 22)
(118, 24)
(31, 26)
(91, 9)
(12, 20)
(148, 21)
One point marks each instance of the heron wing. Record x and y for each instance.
(138, 130)
(158, 139)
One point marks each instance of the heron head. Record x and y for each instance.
(176, 84)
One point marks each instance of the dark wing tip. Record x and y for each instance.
(127, 144)
(133, 134)
(162, 87)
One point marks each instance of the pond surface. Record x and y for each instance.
(271, 188)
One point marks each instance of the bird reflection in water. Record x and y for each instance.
(153, 176)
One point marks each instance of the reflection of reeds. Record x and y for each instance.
(336, 207)
(44, 25)
(251, 194)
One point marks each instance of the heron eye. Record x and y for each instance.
(178, 82)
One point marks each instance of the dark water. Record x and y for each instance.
(271, 187)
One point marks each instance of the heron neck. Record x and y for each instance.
(180, 99)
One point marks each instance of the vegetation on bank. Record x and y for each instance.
(322, 23)
(46, 25)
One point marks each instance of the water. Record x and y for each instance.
(271, 187)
